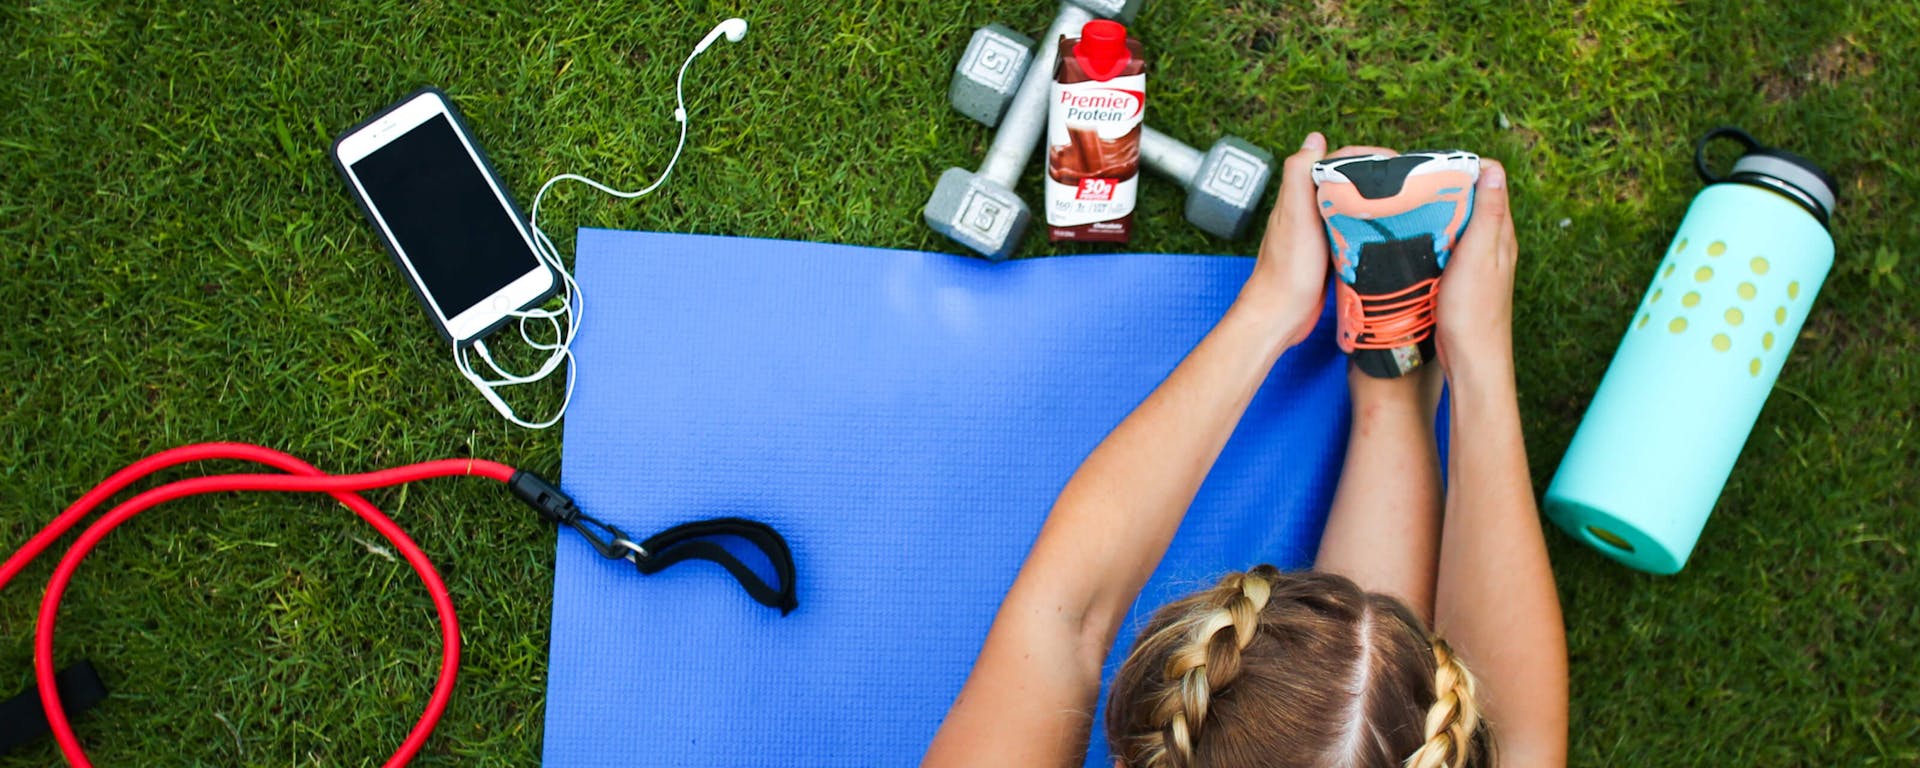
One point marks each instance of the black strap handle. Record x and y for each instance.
(1700, 150)
(687, 541)
(690, 541)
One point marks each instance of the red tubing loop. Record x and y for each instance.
(297, 477)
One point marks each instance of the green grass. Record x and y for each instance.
(181, 264)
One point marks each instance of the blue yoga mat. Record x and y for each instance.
(905, 419)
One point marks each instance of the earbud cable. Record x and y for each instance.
(563, 320)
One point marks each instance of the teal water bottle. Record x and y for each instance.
(1700, 355)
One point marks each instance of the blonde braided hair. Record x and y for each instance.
(1454, 716)
(1209, 661)
(1293, 670)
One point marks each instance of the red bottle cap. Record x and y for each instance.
(1102, 51)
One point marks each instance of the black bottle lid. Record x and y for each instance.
(1771, 168)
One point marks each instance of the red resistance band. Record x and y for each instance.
(690, 541)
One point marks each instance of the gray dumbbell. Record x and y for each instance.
(980, 210)
(989, 72)
(1223, 186)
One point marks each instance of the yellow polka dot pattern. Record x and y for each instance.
(1725, 338)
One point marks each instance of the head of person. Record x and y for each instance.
(1283, 670)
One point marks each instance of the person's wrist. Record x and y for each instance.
(1269, 315)
(1283, 316)
(1483, 368)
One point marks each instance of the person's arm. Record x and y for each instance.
(1495, 601)
(1031, 696)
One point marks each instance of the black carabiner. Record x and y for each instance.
(555, 506)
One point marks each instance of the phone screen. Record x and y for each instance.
(459, 236)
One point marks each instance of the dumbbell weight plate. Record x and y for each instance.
(989, 73)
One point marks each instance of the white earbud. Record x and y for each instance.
(734, 29)
(565, 320)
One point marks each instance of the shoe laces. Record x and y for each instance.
(1393, 320)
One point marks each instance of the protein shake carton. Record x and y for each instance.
(1099, 101)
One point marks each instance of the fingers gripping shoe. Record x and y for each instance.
(1392, 222)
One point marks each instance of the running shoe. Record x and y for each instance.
(1392, 222)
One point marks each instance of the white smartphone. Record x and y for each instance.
(424, 184)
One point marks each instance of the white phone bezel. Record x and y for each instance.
(490, 311)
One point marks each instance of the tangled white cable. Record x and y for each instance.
(564, 320)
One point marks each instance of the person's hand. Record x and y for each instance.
(1474, 316)
(1289, 282)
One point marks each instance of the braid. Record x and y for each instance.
(1339, 676)
(1454, 716)
(1207, 663)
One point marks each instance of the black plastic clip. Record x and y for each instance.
(555, 506)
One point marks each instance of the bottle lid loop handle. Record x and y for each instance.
(1700, 150)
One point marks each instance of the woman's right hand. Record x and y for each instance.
(1474, 312)
(1289, 281)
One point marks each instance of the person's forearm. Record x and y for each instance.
(1496, 602)
(1032, 691)
(1118, 513)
